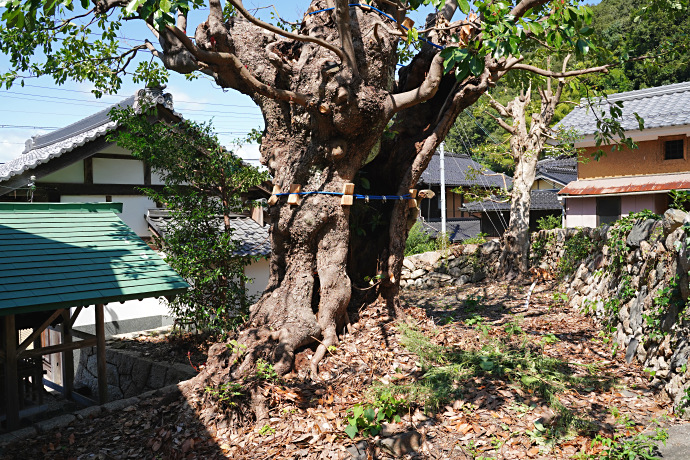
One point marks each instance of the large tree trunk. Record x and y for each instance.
(322, 251)
(335, 138)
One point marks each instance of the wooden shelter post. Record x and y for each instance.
(67, 355)
(100, 355)
(11, 376)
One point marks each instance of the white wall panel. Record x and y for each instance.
(72, 174)
(112, 171)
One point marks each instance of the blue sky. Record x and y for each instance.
(41, 104)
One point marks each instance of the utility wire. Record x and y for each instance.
(176, 101)
(484, 181)
(39, 98)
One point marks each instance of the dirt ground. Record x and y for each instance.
(471, 372)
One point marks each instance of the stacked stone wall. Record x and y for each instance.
(129, 374)
(636, 284)
(456, 266)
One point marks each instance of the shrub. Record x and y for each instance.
(203, 187)
(549, 222)
(479, 239)
(419, 241)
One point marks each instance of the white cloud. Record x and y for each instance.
(11, 146)
(248, 152)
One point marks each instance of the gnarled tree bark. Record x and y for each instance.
(328, 94)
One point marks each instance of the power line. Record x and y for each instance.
(176, 101)
(40, 98)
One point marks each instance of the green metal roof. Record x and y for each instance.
(59, 255)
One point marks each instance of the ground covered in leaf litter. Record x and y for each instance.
(473, 373)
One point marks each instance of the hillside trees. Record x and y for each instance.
(334, 113)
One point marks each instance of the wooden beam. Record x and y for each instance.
(67, 355)
(88, 170)
(11, 376)
(82, 335)
(294, 198)
(60, 348)
(347, 199)
(147, 174)
(37, 332)
(56, 164)
(274, 199)
(95, 189)
(115, 156)
(74, 316)
(100, 355)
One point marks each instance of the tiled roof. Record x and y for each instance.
(542, 200)
(460, 171)
(253, 238)
(42, 149)
(628, 185)
(558, 169)
(60, 255)
(458, 229)
(660, 107)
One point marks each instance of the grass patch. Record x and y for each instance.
(446, 372)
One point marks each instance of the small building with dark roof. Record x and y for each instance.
(626, 181)
(463, 172)
(253, 241)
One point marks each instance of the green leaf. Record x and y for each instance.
(464, 6)
(461, 72)
(486, 365)
(582, 46)
(586, 30)
(476, 65)
(536, 28)
(369, 414)
(539, 426)
(351, 431)
(132, 7)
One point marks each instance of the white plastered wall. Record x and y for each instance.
(134, 209)
(131, 309)
(258, 271)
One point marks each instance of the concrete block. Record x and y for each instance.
(17, 435)
(120, 404)
(88, 412)
(55, 423)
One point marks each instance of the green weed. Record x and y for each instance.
(447, 369)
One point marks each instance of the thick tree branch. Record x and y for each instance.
(571, 73)
(232, 61)
(525, 5)
(342, 18)
(500, 108)
(400, 101)
(277, 30)
(561, 82)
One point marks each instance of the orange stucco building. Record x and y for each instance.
(626, 181)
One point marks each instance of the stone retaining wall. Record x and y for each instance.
(459, 265)
(129, 374)
(643, 299)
